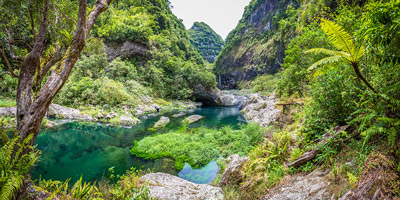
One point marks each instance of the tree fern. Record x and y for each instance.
(343, 41)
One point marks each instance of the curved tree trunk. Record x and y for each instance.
(359, 75)
(32, 109)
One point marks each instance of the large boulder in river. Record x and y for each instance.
(161, 123)
(208, 96)
(228, 100)
(168, 187)
(192, 119)
(233, 174)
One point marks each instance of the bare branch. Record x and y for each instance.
(8, 64)
(11, 43)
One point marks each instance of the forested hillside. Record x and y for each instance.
(206, 41)
(137, 49)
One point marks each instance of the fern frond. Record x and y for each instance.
(338, 36)
(325, 61)
(11, 186)
(327, 52)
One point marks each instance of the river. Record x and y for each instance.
(85, 149)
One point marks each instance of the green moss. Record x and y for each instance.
(199, 146)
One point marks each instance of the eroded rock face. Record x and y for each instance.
(260, 109)
(62, 112)
(168, 187)
(314, 186)
(125, 50)
(161, 123)
(208, 97)
(192, 119)
(233, 174)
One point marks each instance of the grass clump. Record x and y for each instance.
(199, 146)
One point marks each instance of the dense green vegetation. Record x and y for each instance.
(206, 41)
(339, 64)
(199, 146)
(169, 68)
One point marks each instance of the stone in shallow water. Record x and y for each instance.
(181, 114)
(165, 186)
(192, 119)
(161, 123)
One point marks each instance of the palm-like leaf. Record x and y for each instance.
(338, 36)
(327, 52)
(344, 42)
(325, 61)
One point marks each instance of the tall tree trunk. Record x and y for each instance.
(32, 109)
(359, 75)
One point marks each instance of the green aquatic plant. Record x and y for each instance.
(199, 146)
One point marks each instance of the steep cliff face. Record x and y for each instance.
(255, 46)
(206, 41)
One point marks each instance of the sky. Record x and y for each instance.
(220, 15)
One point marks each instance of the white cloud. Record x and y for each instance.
(221, 15)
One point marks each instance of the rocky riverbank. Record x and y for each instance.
(125, 117)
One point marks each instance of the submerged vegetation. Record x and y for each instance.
(199, 146)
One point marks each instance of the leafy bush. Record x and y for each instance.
(199, 146)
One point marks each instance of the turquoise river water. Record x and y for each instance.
(90, 149)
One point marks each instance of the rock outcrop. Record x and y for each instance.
(168, 187)
(192, 119)
(233, 173)
(260, 109)
(125, 50)
(314, 186)
(208, 97)
(62, 112)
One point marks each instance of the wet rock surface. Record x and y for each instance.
(192, 119)
(161, 123)
(168, 187)
(181, 114)
(260, 109)
(314, 186)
